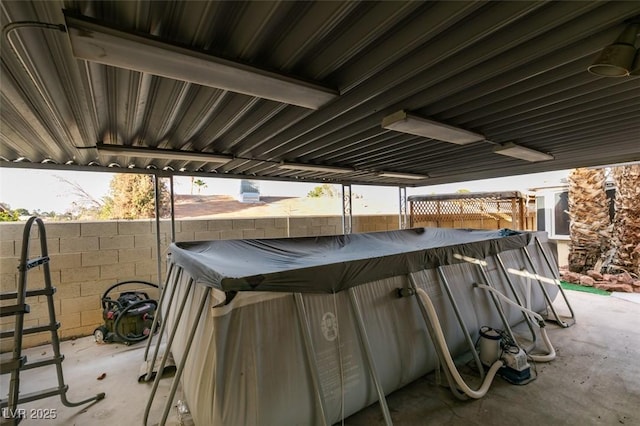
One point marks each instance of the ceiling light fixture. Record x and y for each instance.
(96, 42)
(510, 149)
(617, 59)
(165, 154)
(405, 122)
(314, 168)
(403, 175)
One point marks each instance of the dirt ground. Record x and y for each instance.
(206, 206)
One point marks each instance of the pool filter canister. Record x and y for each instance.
(489, 346)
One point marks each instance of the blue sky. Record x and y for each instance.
(44, 190)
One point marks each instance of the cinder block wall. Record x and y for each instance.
(88, 257)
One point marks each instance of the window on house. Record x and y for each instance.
(553, 217)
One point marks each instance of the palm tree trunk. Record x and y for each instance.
(589, 227)
(626, 235)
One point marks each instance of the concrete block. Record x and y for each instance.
(69, 321)
(280, 222)
(335, 221)
(165, 225)
(149, 267)
(62, 230)
(98, 229)
(253, 233)
(235, 234)
(135, 227)
(12, 230)
(65, 261)
(328, 230)
(143, 241)
(185, 236)
(244, 224)
(92, 317)
(319, 221)
(88, 273)
(220, 224)
(299, 222)
(53, 245)
(102, 257)
(315, 231)
(6, 345)
(94, 288)
(71, 333)
(9, 265)
(79, 304)
(117, 242)
(37, 339)
(8, 282)
(119, 271)
(206, 235)
(41, 310)
(7, 248)
(275, 233)
(64, 291)
(35, 278)
(134, 254)
(265, 223)
(79, 244)
(194, 225)
(299, 232)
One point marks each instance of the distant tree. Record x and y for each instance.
(131, 196)
(8, 215)
(86, 206)
(199, 183)
(22, 212)
(324, 190)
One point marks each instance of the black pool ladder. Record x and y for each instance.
(15, 362)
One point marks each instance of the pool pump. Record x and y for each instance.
(496, 345)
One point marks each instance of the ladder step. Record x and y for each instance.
(34, 396)
(31, 330)
(32, 263)
(43, 362)
(8, 364)
(30, 293)
(14, 309)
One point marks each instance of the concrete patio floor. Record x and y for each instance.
(595, 380)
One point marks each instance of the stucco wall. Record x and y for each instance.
(88, 257)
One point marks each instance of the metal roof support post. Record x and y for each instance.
(347, 217)
(311, 359)
(402, 199)
(366, 347)
(156, 194)
(173, 209)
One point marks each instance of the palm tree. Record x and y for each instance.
(200, 184)
(590, 225)
(626, 230)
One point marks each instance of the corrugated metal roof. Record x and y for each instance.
(513, 71)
